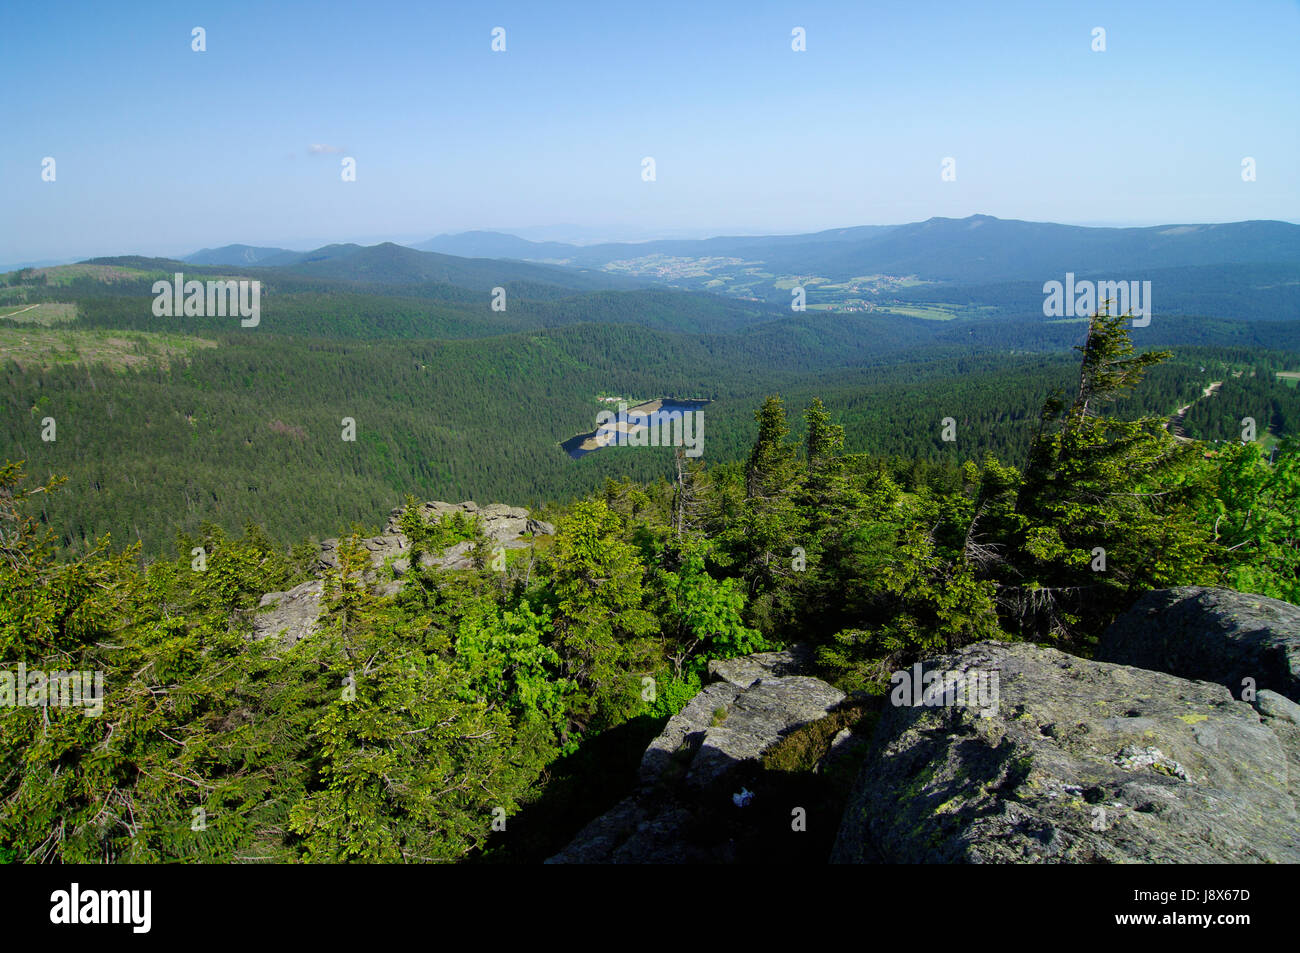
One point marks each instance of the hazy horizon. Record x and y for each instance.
(535, 233)
(162, 150)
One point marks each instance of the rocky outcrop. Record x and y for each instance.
(292, 615)
(289, 616)
(1067, 760)
(1078, 762)
(695, 772)
(725, 725)
(500, 522)
(510, 527)
(1282, 717)
(1213, 634)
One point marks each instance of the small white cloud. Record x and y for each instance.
(317, 149)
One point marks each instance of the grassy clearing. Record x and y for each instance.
(52, 347)
(66, 274)
(43, 314)
(928, 313)
(892, 281)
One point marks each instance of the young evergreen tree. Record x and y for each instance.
(772, 468)
(1107, 506)
(769, 524)
(823, 440)
(601, 630)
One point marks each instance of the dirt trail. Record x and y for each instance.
(1175, 425)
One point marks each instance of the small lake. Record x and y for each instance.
(666, 409)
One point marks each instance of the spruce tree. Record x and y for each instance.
(1107, 506)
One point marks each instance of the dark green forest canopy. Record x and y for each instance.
(251, 429)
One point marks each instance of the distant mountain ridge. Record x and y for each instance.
(937, 269)
(394, 264)
(236, 255)
(976, 248)
(501, 245)
(979, 248)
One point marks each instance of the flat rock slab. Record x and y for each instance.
(755, 720)
(725, 725)
(745, 671)
(1079, 762)
(1213, 634)
(691, 722)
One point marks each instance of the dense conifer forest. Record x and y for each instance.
(830, 512)
(452, 400)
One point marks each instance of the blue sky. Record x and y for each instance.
(163, 150)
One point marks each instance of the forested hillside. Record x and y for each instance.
(409, 723)
(162, 423)
(981, 263)
(589, 434)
